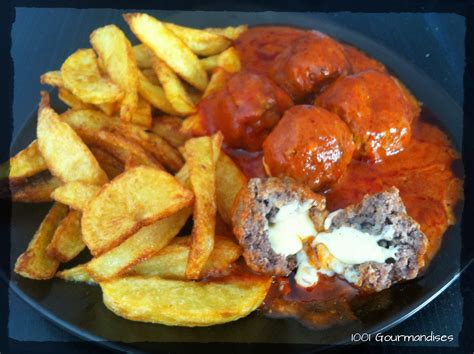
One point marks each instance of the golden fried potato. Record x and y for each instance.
(173, 88)
(229, 181)
(109, 163)
(201, 155)
(34, 189)
(228, 60)
(154, 94)
(67, 242)
(28, 162)
(230, 32)
(169, 128)
(52, 78)
(66, 155)
(81, 75)
(151, 76)
(137, 198)
(72, 101)
(184, 303)
(168, 47)
(142, 56)
(115, 52)
(201, 42)
(35, 263)
(218, 80)
(170, 262)
(76, 274)
(146, 243)
(142, 115)
(192, 125)
(76, 195)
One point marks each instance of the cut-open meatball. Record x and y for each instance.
(376, 109)
(271, 218)
(373, 244)
(311, 61)
(309, 144)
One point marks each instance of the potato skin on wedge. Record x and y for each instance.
(185, 303)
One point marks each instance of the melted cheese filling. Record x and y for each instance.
(290, 226)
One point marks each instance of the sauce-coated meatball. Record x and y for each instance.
(376, 109)
(312, 61)
(244, 110)
(309, 144)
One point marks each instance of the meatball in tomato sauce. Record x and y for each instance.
(309, 144)
(245, 109)
(376, 109)
(310, 62)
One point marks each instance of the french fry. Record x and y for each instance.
(109, 163)
(228, 60)
(67, 242)
(35, 263)
(229, 182)
(230, 32)
(202, 43)
(173, 88)
(66, 155)
(34, 189)
(142, 114)
(76, 195)
(154, 94)
(169, 128)
(170, 262)
(115, 52)
(184, 303)
(77, 274)
(28, 162)
(137, 198)
(52, 78)
(168, 47)
(201, 155)
(142, 56)
(218, 80)
(81, 75)
(144, 244)
(151, 76)
(192, 125)
(72, 101)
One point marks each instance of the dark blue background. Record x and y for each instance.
(43, 38)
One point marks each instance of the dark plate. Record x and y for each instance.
(79, 308)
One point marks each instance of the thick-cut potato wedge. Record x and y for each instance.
(147, 242)
(192, 126)
(76, 195)
(142, 115)
(151, 76)
(52, 78)
(28, 162)
(72, 101)
(230, 32)
(174, 89)
(109, 109)
(35, 263)
(142, 56)
(109, 163)
(229, 181)
(201, 42)
(184, 303)
(228, 60)
(137, 198)
(170, 262)
(66, 155)
(154, 94)
(168, 47)
(115, 52)
(218, 80)
(67, 239)
(77, 274)
(34, 189)
(81, 75)
(201, 155)
(169, 128)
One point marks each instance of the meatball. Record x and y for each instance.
(310, 62)
(376, 109)
(265, 206)
(245, 109)
(360, 61)
(309, 144)
(384, 218)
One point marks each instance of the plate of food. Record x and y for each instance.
(226, 184)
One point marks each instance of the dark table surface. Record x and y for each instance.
(43, 38)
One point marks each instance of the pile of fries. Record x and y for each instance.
(125, 176)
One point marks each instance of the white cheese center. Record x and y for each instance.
(290, 226)
(306, 274)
